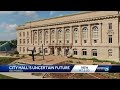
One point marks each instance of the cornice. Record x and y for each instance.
(68, 22)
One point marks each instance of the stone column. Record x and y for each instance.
(81, 35)
(71, 35)
(56, 53)
(56, 35)
(50, 36)
(43, 37)
(31, 38)
(101, 32)
(38, 38)
(89, 35)
(63, 35)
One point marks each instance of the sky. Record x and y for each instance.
(9, 20)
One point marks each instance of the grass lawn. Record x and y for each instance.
(6, 77)
(6, 60)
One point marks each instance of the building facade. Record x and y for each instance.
(92, 34)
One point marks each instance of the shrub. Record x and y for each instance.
(16, 52)
(11, 54)
(83, 58)
(94, 64)
(17, 55)
(30, 54)
(23, 56)
(70, 61)
(6, 60)
(94, 59)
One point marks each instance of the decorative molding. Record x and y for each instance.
(68, 22)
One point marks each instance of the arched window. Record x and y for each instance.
(60, 34)
(67, 34)
(40, 35)
(53, 34)
(95, 32)
(75, 33)
(46, 35)
(35, 36)
(85, 33)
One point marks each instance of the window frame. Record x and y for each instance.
(94, 52)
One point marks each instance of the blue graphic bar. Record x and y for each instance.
(36, 68)
(61, 68)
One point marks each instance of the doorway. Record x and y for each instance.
(52, 51)
(59, 51)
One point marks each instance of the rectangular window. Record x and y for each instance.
(110, 26)
(85, 41)
(23, 34)
(27, 34)
(20, 49)
(20, 34)
(46, 51)
(110, 52)
(52, 41)
(94, 52)
(75, 51)
(23, 49)
(67, 41)
(27, 41)
(95, 41)
(59, 41)
(110, 38)
(84, 52)
(75, 41)
(46, 41)
(20, 41)
(23, 41)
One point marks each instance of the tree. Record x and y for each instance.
(14, 43)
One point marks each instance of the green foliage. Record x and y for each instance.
(16, 52)
(6, 77)
(17, 55)
(12, 54)
(23, 56)
(6, 60)
(83, 58)
(2, 42)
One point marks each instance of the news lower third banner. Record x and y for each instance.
(61, 68)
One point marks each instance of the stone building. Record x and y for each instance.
(90, 34)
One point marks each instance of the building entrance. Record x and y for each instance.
(59, 51)
(52, 51)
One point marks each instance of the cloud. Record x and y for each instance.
(32, 14)
(52, 12)
(61, 15)
(7, 36)
(7, 12)
(8, 27)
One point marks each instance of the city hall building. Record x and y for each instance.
(90, 34)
